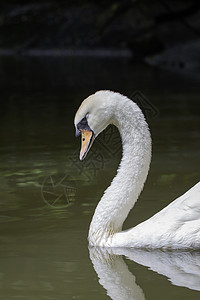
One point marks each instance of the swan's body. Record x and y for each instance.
(177, 226)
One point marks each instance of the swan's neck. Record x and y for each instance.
(126, 186)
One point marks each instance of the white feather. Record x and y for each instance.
(177, 226)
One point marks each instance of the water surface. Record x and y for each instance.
(47, 197)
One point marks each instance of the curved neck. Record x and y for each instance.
(126, 186)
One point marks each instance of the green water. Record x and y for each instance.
(47, 197)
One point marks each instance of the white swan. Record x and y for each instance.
(177, 226)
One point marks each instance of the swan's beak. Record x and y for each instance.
(87, 139)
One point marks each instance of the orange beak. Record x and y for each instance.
(87, 138)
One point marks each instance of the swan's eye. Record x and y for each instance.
(83, 139)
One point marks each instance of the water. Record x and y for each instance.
(47, 196)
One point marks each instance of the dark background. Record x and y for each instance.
(160, 32)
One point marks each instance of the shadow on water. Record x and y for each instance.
(47, 196)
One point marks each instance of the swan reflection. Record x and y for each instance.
(182, 268)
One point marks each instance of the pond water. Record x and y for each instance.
(47, 197)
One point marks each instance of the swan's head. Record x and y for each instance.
(93, 116)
